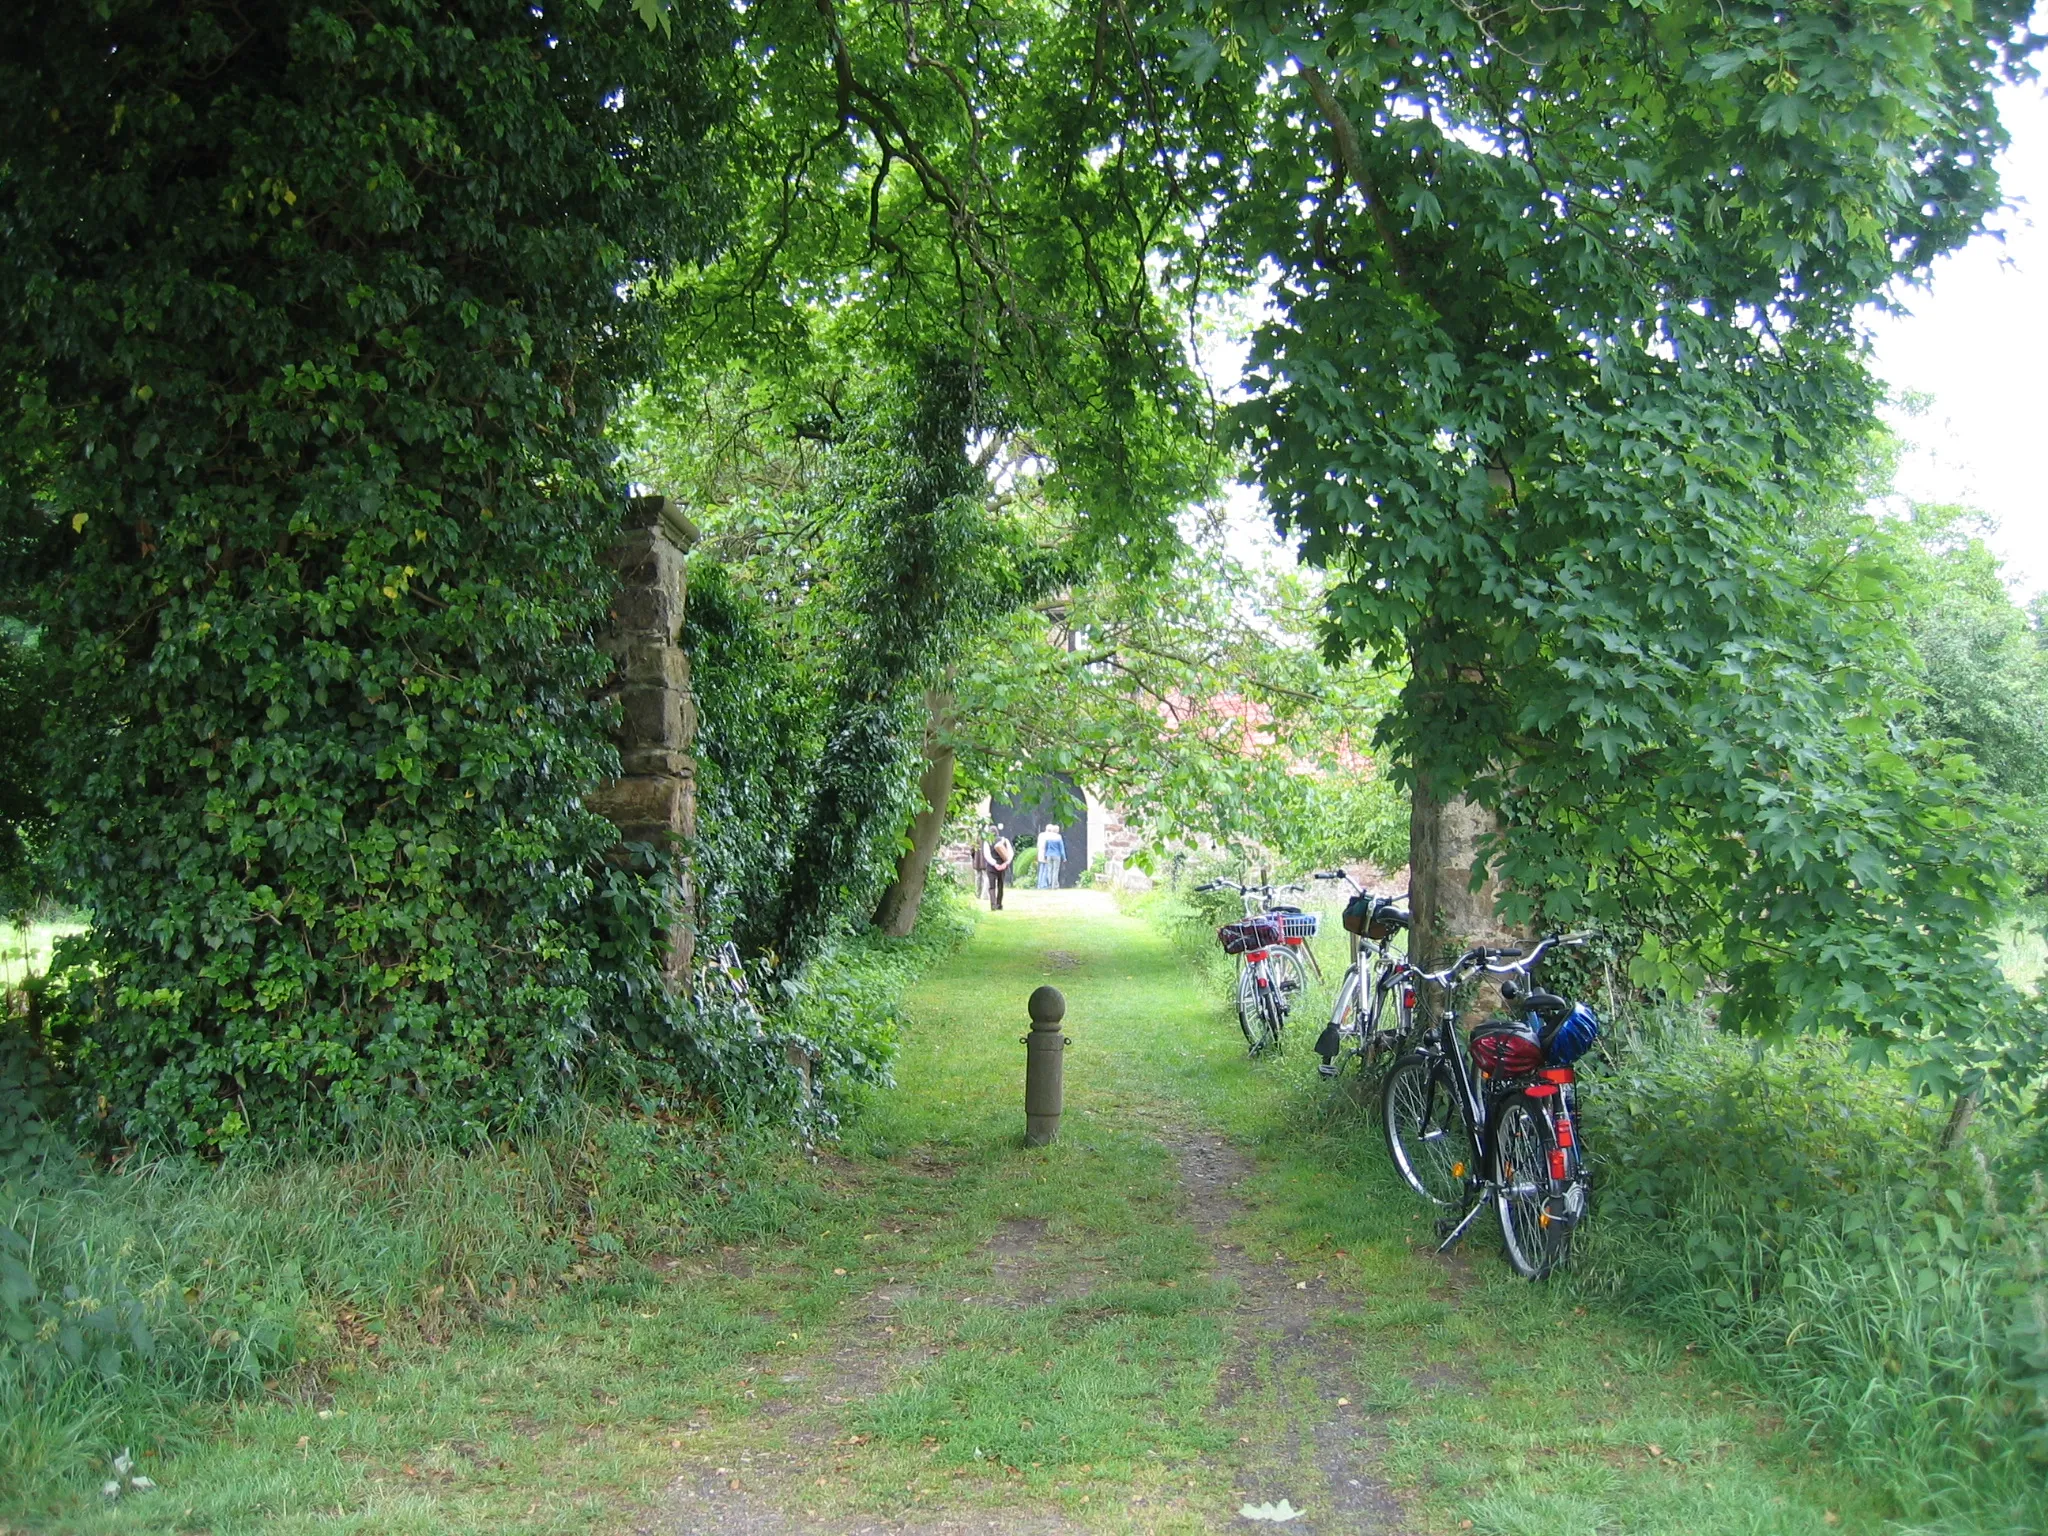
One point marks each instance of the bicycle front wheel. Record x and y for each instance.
(1532, 1189)
(1425, 1134)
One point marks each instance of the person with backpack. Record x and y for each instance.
(999, 855)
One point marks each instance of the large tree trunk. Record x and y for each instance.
(1960, 1114)
(896, 913)
(1447, 913)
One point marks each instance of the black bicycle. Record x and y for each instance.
(1491, 1118)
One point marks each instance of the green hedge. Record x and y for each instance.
(1790, 1210)
(310, 320)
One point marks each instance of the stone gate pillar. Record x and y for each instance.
(655, 798)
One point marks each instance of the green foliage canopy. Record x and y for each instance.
(1563, 352)
(913, 193)
(1985, 663)
(1191, 696)
(989, 183)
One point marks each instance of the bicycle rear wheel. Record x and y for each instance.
(1532, 1188)
(1275, 1015)
(1425, 1131)
(1290, 976)
(1251, 1011)
(1383, 1028)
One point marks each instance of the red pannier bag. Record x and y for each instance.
(1249, 933)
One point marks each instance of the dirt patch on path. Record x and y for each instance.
(1280, 1393)
(762, 1493)
(1285, 1372)
(767, 1502)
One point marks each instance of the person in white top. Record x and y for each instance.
(1052, 852)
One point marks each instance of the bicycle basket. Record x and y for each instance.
(1571, 1037)
(1506, 1048)
(1248, 933)
(1297, 925)
(1373, 917)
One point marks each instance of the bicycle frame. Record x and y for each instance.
(1369, 1000)
(1444, 1042)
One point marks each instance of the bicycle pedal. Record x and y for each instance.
(1327, 1069)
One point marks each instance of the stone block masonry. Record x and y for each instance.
(655, 798)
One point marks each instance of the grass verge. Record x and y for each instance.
(1784, 1213)
(934, 1322)
(139, 1307)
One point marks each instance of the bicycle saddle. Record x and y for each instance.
(1547, 1006)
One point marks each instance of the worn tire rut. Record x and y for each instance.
(1281, 1385)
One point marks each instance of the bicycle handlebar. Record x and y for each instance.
(1519, 962)
(1250, 890)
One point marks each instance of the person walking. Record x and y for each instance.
(1052, 852)
(980, 862)
(1001, 854)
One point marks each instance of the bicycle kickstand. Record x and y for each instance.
(1464, 1224)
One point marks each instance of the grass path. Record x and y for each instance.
(25, 949)
(1208, 1294)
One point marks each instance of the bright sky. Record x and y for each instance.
(1976, 343)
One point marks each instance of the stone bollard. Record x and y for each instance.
(1044, 1068)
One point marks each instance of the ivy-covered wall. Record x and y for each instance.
(310, 321)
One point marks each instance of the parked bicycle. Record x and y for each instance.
(1493, 1117)
(1268, 942)
(1373, 1011)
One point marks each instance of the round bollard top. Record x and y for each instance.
(1047, 1008)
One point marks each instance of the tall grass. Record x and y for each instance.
(134, 1301)
(129, 1297)
(1789, 1211)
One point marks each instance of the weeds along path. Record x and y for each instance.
(1209, 1296)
